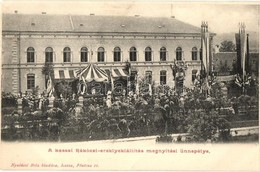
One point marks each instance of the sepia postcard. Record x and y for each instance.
(130, 85)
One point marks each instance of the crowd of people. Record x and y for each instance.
(31, 102)
(112, 116)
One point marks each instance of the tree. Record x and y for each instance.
(227, 46)
(47, 70)
(206, 125)
(64, 88)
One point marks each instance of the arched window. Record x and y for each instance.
(117, 54)
(178, 53)
(49, 54)
(30, 81)
(148, 54)
(194, 75)
(163, 54)
(66, 54)
(101, 54)
(84, 54)
(30, 55)
(163, 77)
(132, 54)
(149, 77)
(194, 53)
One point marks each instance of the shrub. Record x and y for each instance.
(205, 125)
(9, 100)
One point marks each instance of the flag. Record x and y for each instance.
(247, 55)
(198, 74)
(207, 52)
(50, 88)
(205, 48)
(238, 81)
(137, 85)
(243, 49)
(242, 43)
(205, 60)
(239, 69)
(204, 56)
(112, 81)
(150, 90)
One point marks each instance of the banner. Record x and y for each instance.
(50, 87)
(205, 47)
(112, 82)
(243, 48)
(137, 85)
(247, 55)
(239, 68)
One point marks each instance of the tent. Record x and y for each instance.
(92, 77)
(92, 73)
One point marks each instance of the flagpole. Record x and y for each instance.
(201, 54)
(204, 61)
(207, 59)
(243, 54)
(247, 54)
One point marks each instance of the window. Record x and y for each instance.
(148, 54)
(48, 54)
(163, 77)
(148, 77)
(84, 54)
(132, 54)
(117, 54)
(194, 73)
(101, 54)
(66, 54)
(194, 53)
(163, 54)
(30, 55)
(30, 81)
(178, 53)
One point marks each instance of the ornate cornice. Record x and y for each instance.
(101, 35)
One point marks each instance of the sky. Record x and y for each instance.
(221, 17)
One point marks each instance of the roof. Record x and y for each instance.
(254, 55)
(230, 56)
(225, 55)
(93, 23)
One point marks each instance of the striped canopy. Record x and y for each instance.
(92, 73)
(64, 74)
(117, 73)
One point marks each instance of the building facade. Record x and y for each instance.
(70, 42)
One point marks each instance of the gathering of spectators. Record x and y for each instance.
(141, 114)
